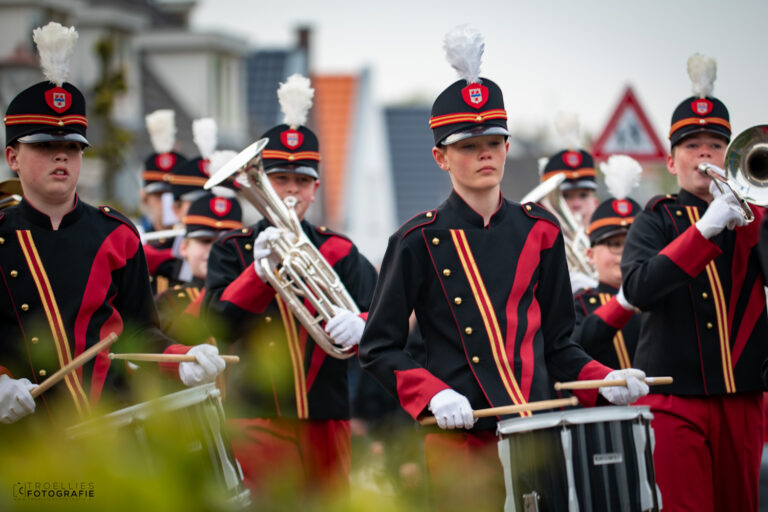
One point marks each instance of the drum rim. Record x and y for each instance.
(122, 417)
(573, 417)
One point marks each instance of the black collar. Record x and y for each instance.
(467, 213)
(685, 197)
(42, 220)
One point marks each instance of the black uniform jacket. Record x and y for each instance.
(62, 291)
(704, 318)
(493, 303)
(283, 373)
(606, 330)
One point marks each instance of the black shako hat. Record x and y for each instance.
(612, 217)
(468, 110)
(158, 169)
(578, 167)
(701, 112)
(695, 115)
(53, 109)
(187, 180)
(291, 150)
(211, 215)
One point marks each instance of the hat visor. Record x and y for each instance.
(305, 170)
(601, 236)
(475, 132)
(681, 134)
(204, 233)
(574, 185)
(53, 137)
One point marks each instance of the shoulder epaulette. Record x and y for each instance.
(655, 201)
(236, 233)
(324, 231)
(112, 213)
(583, 292)
(536, 211)
(418, 220)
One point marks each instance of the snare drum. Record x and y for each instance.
(192, 418)
(581, 460)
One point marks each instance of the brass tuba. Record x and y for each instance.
(547, 193)
(303, 273)
(746, 169)
(10, 192)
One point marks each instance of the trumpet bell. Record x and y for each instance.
(746, 164)
(239, 161)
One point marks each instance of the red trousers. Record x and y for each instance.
(464, 471)
(303, 456)
(708, 449)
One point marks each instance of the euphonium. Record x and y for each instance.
(303, 273)
(547, 193)
(746, 169)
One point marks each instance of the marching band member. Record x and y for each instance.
(72, 273)
(489, 284)
(606, 325)
(207, 218)
(294, 397)
(691, 264)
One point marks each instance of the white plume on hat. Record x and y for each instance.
(161, 125)
(464, 48)
(542, 163)
(622, 174)
(204, 134)
(702, 71)
(295, 97)
(217, 161)
(568, 127)
(55, 44)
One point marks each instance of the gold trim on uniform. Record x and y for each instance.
(619, 344)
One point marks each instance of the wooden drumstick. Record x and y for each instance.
(512, 409)
(168, 358)
(74, 365)
(594, 384)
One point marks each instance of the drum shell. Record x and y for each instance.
(606, 470)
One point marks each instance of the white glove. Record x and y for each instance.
(345, 328)
(620, 395)
(622, 300)
(723, 212)
(261, 248)
(15, 399)
(580, 280)
(452, 410)
(209, 364)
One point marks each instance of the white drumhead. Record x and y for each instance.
(172, 402)
(574, 417)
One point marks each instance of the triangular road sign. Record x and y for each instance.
(628, 132)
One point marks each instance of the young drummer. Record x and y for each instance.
(606, 325)
(691, 264)
(72, 273)
(489, 284)
(291, 406)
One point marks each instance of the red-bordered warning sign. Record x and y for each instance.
(629, 132)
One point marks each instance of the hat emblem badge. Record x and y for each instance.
(165, 161)
(220, 206)
(58, 99)
(702, 106)
(572, 159)
(622, 207)
(291, 139)
(475, 95)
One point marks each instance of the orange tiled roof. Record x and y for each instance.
(333, 113)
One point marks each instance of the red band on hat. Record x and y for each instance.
(699, 121)
(467, 117)
(285, 155)
(570, 175)
(199, 220)
(42, 119)
(610, 221)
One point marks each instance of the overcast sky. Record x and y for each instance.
(547, 56)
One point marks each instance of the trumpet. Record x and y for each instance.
(746, 169)
(547, 193)
(303, 273)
